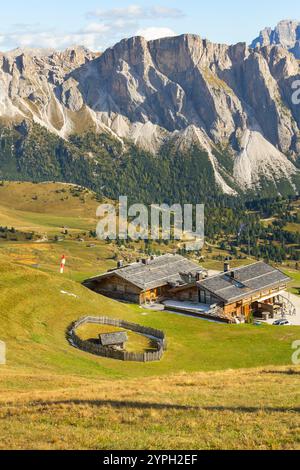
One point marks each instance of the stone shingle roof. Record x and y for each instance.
(113, 339)
(247, 280)
(163, 270)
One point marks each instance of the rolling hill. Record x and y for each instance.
(57, 387)
(235, 383)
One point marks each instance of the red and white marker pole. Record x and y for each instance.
(62, 264)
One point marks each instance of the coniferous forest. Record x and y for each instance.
(28, 152)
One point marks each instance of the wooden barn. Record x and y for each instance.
(240, 293)
(151, 280)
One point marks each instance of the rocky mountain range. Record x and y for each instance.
(285, 34)
(186, 92)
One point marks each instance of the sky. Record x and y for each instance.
(98, 24)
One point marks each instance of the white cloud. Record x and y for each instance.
(94, 36)
(105, 28)
(98, 28)
(137, 12)
(165, 12)
(50, 40)
(154, 32)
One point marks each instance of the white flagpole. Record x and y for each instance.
(62, 264)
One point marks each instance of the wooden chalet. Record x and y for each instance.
(239, 293)
(151, 280)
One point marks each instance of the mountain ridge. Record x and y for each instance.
(183, 89)
(286, 33)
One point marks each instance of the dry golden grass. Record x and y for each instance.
(48, 198)
(256, 409)
(44, 207)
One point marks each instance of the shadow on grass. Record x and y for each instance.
(163, 406)
(282, 372)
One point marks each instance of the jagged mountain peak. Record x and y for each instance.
(285, 34)
(76, 54)
(29, 51)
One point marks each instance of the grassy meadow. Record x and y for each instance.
(249, 409)
(295, 283)
(218, 386)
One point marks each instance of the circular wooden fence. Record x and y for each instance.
(157, 336)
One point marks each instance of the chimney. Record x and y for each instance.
(232, 275)
(120, 264)
(226, 267)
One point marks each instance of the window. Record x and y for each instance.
(202, 296)
(121, 288)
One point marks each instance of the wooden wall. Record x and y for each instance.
(188, 294)
(117, 288)
(245, 306)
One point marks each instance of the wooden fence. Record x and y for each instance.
(156, 335)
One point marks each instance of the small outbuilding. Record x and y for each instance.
(114, 340)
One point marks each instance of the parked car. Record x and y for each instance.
(282, 322)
